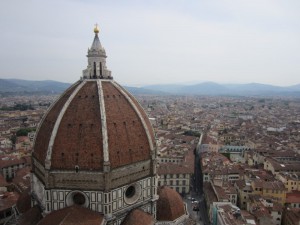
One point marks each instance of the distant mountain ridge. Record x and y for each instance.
(27, 86)
(215, 89)
(17, 86)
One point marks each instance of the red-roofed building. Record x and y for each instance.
(7, 202)
(292, 216)
(293, 199)
(10, 165)
(177, 177)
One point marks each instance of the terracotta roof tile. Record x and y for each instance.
(8, 199)
(72, 215)
(169, 205)
(127, 138)
(138, 217)
(171, 168)
(44, 133)
(78, 140)
(79, 136)
(30, 217)
(293, 197)
(24, 201)
(144, 115)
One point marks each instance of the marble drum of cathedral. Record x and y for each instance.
(95, 148)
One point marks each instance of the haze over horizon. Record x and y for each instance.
(154, 42)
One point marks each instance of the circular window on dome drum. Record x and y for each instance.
(77, 198)
(132, 193)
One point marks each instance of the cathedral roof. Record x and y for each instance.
(138, 217)
(30, 217)
(24, 201)
(169, 205)
(93, 122)
(73, 215)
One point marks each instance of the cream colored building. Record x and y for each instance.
(178, 177)
(291, 181)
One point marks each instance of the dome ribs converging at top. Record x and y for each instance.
(127, 139)
(47, 125)
(93, 123)
(94, 157)
(96, 125)
(82, 126)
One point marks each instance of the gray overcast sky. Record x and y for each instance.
(150, 42)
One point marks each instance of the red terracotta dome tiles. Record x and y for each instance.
(144, 115)
(46, 128)
(138, 217)
(79, 137)
(127, 139)
(73, 215)
(169, 205)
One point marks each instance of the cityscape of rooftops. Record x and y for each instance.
(150, 112)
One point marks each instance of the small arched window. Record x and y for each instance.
(100, 69)
(95, 73)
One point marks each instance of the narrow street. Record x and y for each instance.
(197, 193)
(199, 216)
(196, 215)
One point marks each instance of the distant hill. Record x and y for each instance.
(211, 88)
(10, 87)
(29, 87)
(144, 91)
(167, 88)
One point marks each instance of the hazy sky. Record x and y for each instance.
(150, 42)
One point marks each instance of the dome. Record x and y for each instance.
(95, 149)
(72, 215)
(93, 122)
(138, 217)
(169, 205)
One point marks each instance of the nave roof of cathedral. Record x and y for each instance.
(73, 215)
